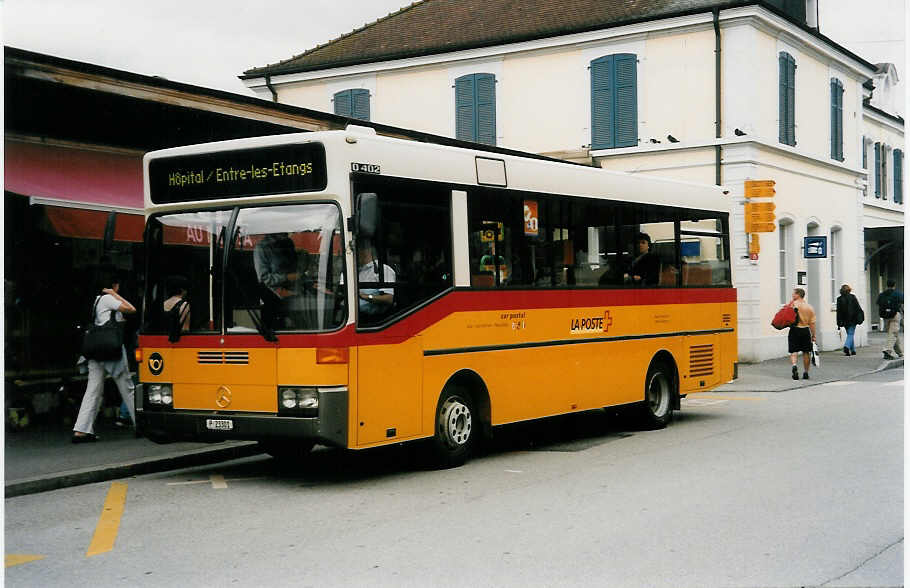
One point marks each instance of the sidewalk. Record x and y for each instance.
(41, 457)
(773, 375)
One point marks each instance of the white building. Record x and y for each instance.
(715, 92)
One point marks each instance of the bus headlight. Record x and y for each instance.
(160, 394)
(298, 401)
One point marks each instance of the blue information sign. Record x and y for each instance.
(815, 247)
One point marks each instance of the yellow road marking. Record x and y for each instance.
(15, 559)
(109, 521)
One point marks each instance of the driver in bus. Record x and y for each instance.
(275, 261)
(373, 301)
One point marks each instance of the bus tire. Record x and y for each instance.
(286, 451)
(660, 389)
(456, 428)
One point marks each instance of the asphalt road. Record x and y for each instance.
(800, 488)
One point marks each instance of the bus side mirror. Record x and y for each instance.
(367, 215)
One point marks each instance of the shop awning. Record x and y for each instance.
(72, 174)
(79, 223)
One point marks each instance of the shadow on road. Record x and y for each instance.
(565, 433)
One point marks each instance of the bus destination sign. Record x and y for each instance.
(231, 174)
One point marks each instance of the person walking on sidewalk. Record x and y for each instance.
(891, 308)
(802, 334)
(108, 302)
(849, 314)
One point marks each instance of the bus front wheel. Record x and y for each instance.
(657, 409)
(456, 425)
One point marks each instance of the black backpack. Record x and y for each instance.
(886, 305)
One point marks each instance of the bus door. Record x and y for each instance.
(388, 390)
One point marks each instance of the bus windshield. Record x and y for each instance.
(282, 271)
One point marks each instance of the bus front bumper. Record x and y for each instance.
(329, 428)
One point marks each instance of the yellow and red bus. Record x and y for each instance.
(354, 290)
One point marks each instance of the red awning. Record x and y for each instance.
(73, 174)
(79, 223)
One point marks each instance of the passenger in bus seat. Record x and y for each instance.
(373, 301)
(645, 270)
(177, 294)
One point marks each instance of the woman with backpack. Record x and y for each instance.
(849, 314)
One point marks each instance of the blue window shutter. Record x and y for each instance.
(485, 99)
(878, 170)
(360, 104)
(782, 98)
(343, 103)
(465, 128)
(898, 176)
(602, 128)
(786, 99)
(625, 67)
(837, 120)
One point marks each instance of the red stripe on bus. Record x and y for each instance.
(457, 301)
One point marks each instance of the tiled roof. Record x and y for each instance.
(441, 26)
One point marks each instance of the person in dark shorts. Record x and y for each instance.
(802, 334)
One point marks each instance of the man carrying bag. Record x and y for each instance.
(101, 350)
(890, 307)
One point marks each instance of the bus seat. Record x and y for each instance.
(696, 274)
(667, 276)
(482, 280)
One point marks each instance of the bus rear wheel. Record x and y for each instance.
(456, 426)
(660, 387)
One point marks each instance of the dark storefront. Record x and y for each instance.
(74, 138)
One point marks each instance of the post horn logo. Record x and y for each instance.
(223, 397)
(156, 364)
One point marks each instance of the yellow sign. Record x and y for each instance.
(762, 227)
(759, 188)
(754, 246)
(759, 217)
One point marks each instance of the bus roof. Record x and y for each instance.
(465, 166)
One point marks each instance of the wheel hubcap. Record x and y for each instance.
(455, 422)
(658, 394)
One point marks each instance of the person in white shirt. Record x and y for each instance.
(107, 303)
(373, 301)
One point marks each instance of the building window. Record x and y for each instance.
(837, 119)
(835, 258)
(865, 155)
(785, 257)
(614, 101)
(877, 172)
(898, 176)
(787, 99)
(475, 108)
(353, 104)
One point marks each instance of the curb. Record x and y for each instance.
(114, 471)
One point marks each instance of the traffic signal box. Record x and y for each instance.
(759, 215)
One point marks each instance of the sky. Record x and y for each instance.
(211, 42)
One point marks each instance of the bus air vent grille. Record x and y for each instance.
(701, 360)
(223, 357)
